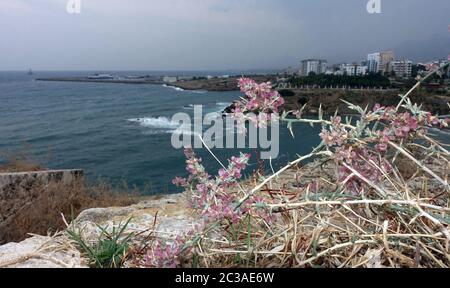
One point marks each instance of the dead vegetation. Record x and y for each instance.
(376, 196)
(19, 161)
(41, 213)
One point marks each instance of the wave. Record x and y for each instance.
(158, 123)
(189, 107)
(223, 104)
(173, 87)
(163, 125)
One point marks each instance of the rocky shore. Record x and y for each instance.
(218, 84)
(331, 100)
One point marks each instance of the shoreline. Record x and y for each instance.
(210, 85)
(329, 98)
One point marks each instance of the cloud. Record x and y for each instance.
(205, 34)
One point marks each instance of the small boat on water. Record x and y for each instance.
(30, 72)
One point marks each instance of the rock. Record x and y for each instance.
(171, 212)
(99, 215)
(40, 252)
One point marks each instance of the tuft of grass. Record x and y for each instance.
(111, 248)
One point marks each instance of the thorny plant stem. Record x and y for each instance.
(411, 203)
(267, 180)
(404, 97)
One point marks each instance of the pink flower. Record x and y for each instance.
(259, 99)
(178, 181)
(377, 107)
(382, 147)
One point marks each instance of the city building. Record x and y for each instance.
(385, 58)
(379, 62)
(373, 61)
(401, 68)
(329, 72)
(361, 70)
(170, 79)
(317, 66)
(352, 70)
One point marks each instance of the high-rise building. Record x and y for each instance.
(385, 58)
(379, 62)
(401, 68)
(317, 66)
(373, 61)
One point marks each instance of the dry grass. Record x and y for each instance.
(401, 219)
(21, 161)
(42, 212)
(329, 228)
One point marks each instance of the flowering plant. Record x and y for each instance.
(358, 206)
(260, 101)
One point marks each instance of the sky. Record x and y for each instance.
(215, 34)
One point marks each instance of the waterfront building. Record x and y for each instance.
(373, 61)
(401, 68)
(170, 79)
(385, 58)
(352, 70)
(317, 66)
(379, 61)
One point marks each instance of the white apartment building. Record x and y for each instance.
(361, 70)
(317, 66)
(401, 68)
(170, 79)
(373, 61)
(352, 70)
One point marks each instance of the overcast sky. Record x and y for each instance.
(214, 34)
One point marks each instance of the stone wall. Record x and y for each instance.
(19, 191)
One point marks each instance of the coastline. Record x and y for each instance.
(218, 84)
(329, 98)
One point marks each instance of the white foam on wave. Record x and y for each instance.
(173, 87)
(189, 107)
(223, 104)
(163, 125)
(158, 123)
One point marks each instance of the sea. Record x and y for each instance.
(117, 133)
